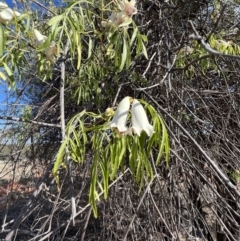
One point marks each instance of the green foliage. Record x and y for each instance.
(191, 53)
(235, 175)
(27, 113)
(95, 51)
(112, 151)
(120, 44)
(2, 40)
(14, 47)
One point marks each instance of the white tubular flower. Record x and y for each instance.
(116, 19)
(110, 22)
(120, 118)
(16, 13)
(6, 15)
(51, 50)
(127, 7)
(39, 37)
(121, 19)
(3, 6)
(139, 119)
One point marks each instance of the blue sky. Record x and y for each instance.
(3, 84)
(10, 3)
(3, 87)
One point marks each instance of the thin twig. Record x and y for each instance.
(83, 209)
(149, 64)
(44, 7)
(216, 24)
(139, 205)
(162, 80)
(29, 121)
(206, 46)
(160, 215)
(28, 207)
(215, 167)
(119, 89)
(86, 224)
(63, 127)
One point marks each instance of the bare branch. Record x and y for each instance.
(206, 46)
(223, 177)
(29, 121)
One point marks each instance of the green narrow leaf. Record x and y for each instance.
(59, 161)
(123, 148)
(167, 148)
(27, 27)
(124, 54)
(79, 51)
(117, 49)
(90, 47)
(55, 21)
(45, 44)
(134, 35)
(144, 38)
(128, 60)
(144, 50)
(114, 158)
(56, 32)
(9, 72)
(93, 195)
(3, 76)
(133, 150)
(139, 169)
(2, 40)
(105, 172)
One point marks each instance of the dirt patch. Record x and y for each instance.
(17, 180)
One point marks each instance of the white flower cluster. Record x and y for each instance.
(7, 14)
(50, 51)
(124, 17)
(139, 118)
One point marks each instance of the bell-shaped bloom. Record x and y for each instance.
(40, 39)
(128, 8)
(17, 14)
(110, 22)
(7, 15)
(139, 119)
(51, 50)
(122, 20)
(3, 5)
(116, 20)
(120, 117)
